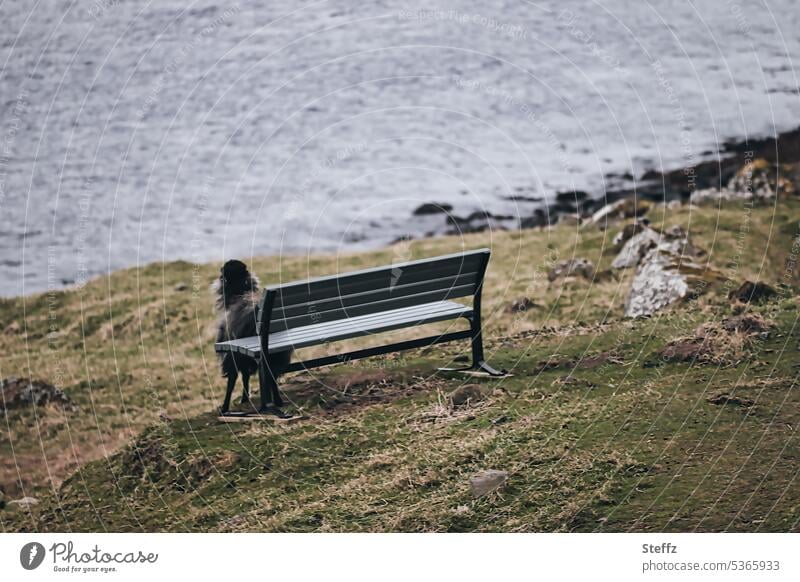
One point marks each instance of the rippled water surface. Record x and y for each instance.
(135, 131)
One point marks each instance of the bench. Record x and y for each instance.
(349, 305)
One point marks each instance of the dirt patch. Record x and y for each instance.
(727, 342)
(747, 323)
(687, 350)
(728, 399)
(339, 394)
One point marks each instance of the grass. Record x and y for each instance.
(609, 436)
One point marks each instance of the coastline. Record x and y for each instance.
(567, 206)
(652, 185)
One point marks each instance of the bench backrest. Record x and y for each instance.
(376, 290)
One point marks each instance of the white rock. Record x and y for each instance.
(655, 285)
(635, 249)
(487, 481)
(24, 503)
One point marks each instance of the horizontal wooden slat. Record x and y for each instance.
(456, 285)
(379, 278)
(349, 328)
(378, 307)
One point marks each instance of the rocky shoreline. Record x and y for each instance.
(709, 179)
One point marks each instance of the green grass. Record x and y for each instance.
(629, 444)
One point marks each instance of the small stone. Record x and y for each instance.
(24, 503)
(520, 305)
(571, 267)
(485, 482)
(619, 210)
(181, 287)
(12, 328)
(628, 231)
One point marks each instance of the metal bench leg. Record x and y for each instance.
(478, 361)
(268, 382)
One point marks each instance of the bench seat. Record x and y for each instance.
(312, 335)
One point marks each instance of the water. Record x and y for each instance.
(135, 132)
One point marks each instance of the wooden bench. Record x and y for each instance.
(329, 309)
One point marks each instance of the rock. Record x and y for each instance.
(676, 232)
(520, 305)
(634, 250)
(628, 231)
(485, 482)
(18, 393)
(24, 503)
(432, 208)
(752, 292)
(571, 267)
(665, 275)
(758, 180)
(572, 202)
(619, 210)
(181, 287)
(477, 221)
(467, 395)
(539, 219)
(12, 328)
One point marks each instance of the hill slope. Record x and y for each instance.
(600, 428)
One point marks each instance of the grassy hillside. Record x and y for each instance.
(597, 428)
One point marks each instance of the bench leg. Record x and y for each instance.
(479, 363)
(268, 381)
